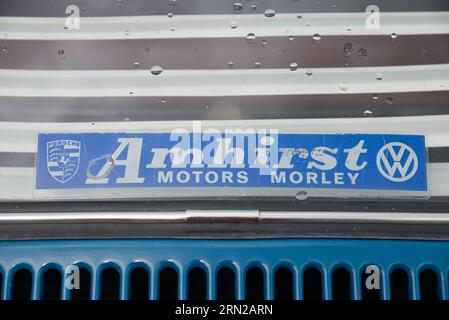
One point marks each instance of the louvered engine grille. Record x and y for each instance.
(225, 269)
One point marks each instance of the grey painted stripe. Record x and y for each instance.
(17, 159)
(83, 109)
(215, 53)
(53, 8)
(439, 154)
(433, 205)
(27, 160)
(59, 231)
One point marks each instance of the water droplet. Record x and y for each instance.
(237, 6)
(172, 28)
(348, 49)
(375, 96)
(344, 86)
(299, 17)
(5, 50)
(131, 92)
(301, 195)
(147, 50)
(291, 38)
(269, 13)
(389, 100)
(173, 2)
(126, 32)
(170, 15)
(257, 65)
(393, 36)
(136, 65)
(164, 101)
(367, 113)
(156, 70)
(264, 42)
(293, 66)
(379, 76)
(362, 52)
(309, 72)
(230, 65)
(61, 53)
(253, 7)
(233, 24)
(250, 37)
(316, 37)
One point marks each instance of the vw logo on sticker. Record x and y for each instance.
(397, 162)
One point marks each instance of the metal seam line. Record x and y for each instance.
(226, 216)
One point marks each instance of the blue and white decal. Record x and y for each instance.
(63, 159)
(232, 160)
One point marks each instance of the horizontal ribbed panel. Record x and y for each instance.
(306, 68)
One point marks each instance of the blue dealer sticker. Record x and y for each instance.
(233, 160)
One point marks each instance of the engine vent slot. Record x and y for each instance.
(168, 284)
(283, 284)
(225, 284)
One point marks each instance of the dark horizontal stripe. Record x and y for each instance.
(433, 205)
(27, 160)
(440, 154)
(215, 53)
(17, 159)
(71, 109)
(32, 231)
(47, 8)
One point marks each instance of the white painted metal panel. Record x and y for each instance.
(218, 26)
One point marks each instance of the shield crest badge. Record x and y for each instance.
(63, 158)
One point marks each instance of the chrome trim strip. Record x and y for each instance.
(226, 216)
(223, 215)
(93, 217)
(355, 217)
